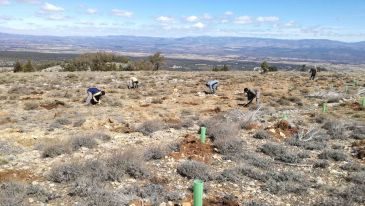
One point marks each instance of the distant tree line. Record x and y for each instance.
(223, 68)
(100, 61)
(265, 67)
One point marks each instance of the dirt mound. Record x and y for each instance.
(52, 105)
(359, 149)
(357, 107)
(282, 129)
(18, 175)
(192, 148)
(213, 201)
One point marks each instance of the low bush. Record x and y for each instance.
(154, 153)
(150, 127)
(352, 167)
(236, 174)
(193, 169)
(357, 177)
(228, 146)
(321, 164)
(280, 153)
(255, 203)
(31, 105)
(16, 193)
(54, 150)
(66, 172)
(335, 155)
(7, 148)
(336, 129)
(262, 134)
(82, 141)
(126, 163)
(286, 182)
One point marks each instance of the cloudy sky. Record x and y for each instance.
(286, 19)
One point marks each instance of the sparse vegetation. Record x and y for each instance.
(193, 169)
(151, 126)
(331, 154)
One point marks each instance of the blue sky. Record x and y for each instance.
(285, 19)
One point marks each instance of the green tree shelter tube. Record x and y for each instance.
(198, 192)
(362, 102)
(202, 134)
(325, 107)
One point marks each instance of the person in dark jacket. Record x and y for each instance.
(251, 95)
(313, 72)
(94, 95)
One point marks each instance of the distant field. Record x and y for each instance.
(7, 58)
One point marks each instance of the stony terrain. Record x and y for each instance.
(141, 147)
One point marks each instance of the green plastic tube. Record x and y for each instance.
(203, 130)
(325, 107)
(285, 117)
(362, 101)
(198, 192)
(346, 89)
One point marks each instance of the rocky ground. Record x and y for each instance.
(141, 147)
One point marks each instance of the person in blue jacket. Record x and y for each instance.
(94, 95)
(213, 86)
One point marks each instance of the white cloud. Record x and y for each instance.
(207, 16)
(122, 13)
(56, 17)
(199, 25)
(164, 19)
(4, 2)
(47, 7)
(192, 18)
(267, 19)
(91, 11)
(29, 1)
(243, 20)
(228, 13)
(224, 21)
(290, 24)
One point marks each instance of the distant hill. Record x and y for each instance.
(239, 47)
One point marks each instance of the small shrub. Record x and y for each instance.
(357, 177)
(321, 164)
(219, 128)
(126, 163)
(255, 203)
(336, 129)
(62, 121)
(257, 161)
(54, 150)
(286, 182)
(193, 169)
(31, 106)
(79, 122)
(280, 153)
(262, 134)
(236, 174)
(333, 154)
(83, 141)
(228, 146)
(150, 127)
(12, 193)
(352, 167)
(154, 153)
(65, 173)
(173, 147)
(7, 148)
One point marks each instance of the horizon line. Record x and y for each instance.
(192, 36)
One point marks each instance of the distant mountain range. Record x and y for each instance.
(234, 47)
